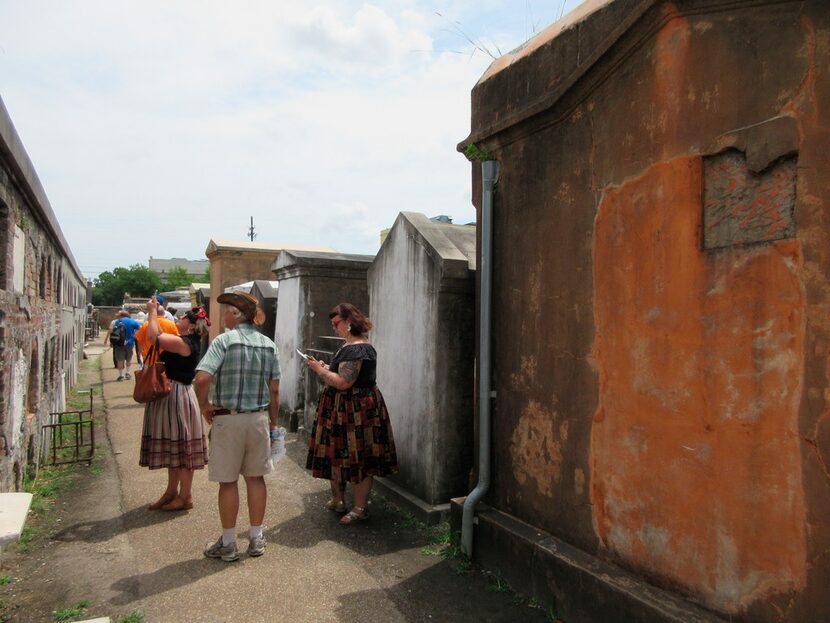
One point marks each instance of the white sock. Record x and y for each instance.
(256, 532)
(229, 536)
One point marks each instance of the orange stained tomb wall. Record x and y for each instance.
(696, 464)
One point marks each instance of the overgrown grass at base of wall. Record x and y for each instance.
(50, 482)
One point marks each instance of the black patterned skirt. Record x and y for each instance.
(352, 436)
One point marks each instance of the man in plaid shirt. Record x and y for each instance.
(238, 388)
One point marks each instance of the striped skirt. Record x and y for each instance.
(173, 434)
(351, 437)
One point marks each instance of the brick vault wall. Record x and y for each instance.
(41, 327)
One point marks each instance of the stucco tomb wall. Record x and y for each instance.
(311, 283)
(422, 295)
(661, 255)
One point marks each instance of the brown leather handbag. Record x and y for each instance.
(151, 383)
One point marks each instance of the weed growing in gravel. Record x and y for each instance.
(49, 484)
(136, 616)
(5, 579)
(408, 521)
(497, 584)
(68, 614)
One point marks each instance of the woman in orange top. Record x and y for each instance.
(166, 326)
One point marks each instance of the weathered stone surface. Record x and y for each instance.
(699, 359)
(741, 206)
(422, 291)
(643, 296)
(311, 283)
(42, 311)
(577, 587)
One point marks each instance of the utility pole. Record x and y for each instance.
(251, 233)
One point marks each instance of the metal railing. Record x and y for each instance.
(91, 327)
(71, 436)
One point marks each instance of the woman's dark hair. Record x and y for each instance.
(360, 324)
(198, 318)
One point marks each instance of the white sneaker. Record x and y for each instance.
(228, 553)
(256, 546)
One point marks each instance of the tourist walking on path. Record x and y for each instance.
(351, 440)
(121, 336)
(238, 388)
(173, 434)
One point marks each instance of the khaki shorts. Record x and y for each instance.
(239, 445)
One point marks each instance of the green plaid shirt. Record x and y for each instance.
(242, 362)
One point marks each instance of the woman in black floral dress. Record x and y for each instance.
(351, 440)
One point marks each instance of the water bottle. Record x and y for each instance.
(277, 444)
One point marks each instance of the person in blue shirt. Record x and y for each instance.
(123, 353)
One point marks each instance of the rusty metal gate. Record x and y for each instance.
(71, 436)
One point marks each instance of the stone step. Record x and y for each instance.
(14, 507)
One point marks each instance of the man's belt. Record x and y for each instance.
(237, 411)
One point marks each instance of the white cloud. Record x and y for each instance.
(156, 126)
(369, 39)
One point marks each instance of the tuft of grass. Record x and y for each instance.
(497, 584)
(136, 616)
(5, 579)
(37, 506)
(453, 551)
(444, 543)
(449, 544)
(49, 484)
(28, 535)
(431, 550)
(463, 567)
(408, 521)
(48, 489)
(474, 153)
(69, 614)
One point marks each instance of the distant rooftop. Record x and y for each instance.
(275, 247)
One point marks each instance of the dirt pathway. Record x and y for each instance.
(105, 547)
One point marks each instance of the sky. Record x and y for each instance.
(157, 126)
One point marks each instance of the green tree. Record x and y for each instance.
(177, 277)
(206, 276)
(137, 280)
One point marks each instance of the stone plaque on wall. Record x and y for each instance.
(19, 260)
(741, 206)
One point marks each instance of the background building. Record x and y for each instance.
(195, 268)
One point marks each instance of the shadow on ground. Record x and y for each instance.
(441, 594)
(167, 578)
(104, 529)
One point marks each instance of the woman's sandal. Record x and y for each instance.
(337, 507)
(178, 504)
(353, 516)
(162, 501)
